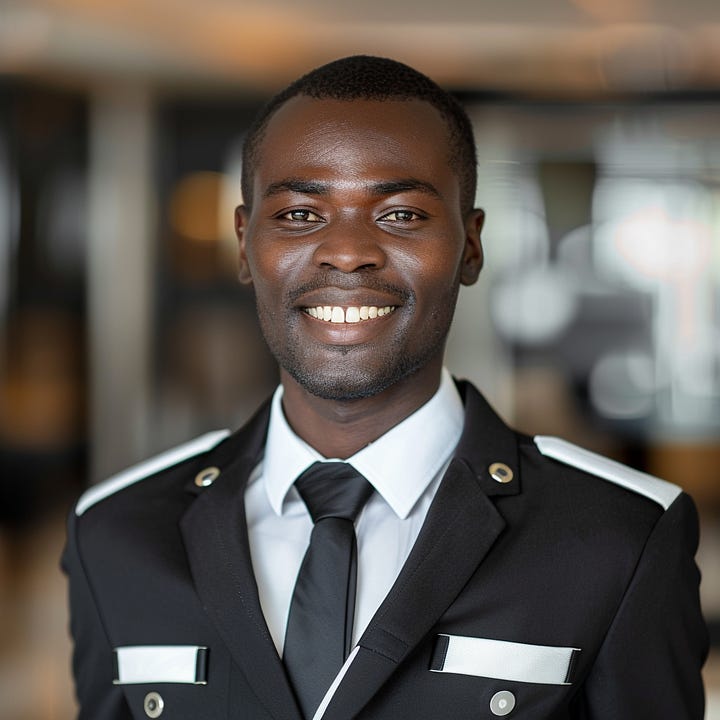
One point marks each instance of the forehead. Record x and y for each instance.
(354, 135)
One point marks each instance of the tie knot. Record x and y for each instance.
(333, 489)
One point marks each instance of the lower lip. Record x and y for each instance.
(332, 333)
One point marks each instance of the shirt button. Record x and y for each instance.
(153, 705)
(502, 703)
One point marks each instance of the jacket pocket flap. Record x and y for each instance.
(504, 660)
(161, 664)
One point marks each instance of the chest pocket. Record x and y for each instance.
(171, 681)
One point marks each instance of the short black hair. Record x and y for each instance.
(363, 77)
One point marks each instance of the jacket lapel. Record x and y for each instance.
(215, 534)
(461, 527)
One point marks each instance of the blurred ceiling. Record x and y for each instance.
(562, 47)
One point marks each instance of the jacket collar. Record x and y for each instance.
(214, 530)
(215, 534)
(487, 441)
(461, 527)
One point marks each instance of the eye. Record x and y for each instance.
(300, 216)
(401, 216)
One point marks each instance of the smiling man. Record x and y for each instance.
(356, 236)
(376, 542)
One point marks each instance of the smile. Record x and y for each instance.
(337, 314)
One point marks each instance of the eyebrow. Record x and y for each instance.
(389, 187)
(305, 187)
(392, 187)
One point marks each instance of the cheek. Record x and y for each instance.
(273, 265)
(433, 271)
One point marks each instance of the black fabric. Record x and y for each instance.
(556, 557)
(319, 630)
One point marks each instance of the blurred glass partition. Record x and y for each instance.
(211, 368)
(615, 282)
(43, 390)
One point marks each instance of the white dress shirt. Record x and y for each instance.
(404, 466)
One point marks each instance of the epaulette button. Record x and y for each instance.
(207, 476)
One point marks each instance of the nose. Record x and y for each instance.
(349, 247)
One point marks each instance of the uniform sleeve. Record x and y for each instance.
(649, 666)
(92, 654)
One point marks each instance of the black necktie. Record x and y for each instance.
(319, 629)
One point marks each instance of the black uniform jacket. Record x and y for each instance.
(556, 594)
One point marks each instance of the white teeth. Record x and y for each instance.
(354, 314)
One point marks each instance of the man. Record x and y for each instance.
(495, 574)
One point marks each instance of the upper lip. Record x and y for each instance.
(358, 297)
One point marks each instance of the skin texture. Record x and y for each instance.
(355, 203)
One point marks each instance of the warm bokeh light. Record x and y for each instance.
(194, 206)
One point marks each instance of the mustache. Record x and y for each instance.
(349, 281)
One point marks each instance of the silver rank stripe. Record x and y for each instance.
(504, 660)
(137, 664)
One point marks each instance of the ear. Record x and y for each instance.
(241, 219)
(473, 256)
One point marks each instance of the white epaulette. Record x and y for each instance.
(147, 468)
(662, 492)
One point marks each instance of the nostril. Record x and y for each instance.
(349, 255)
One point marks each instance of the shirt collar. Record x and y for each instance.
(399, 465)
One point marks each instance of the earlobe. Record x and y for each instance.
(473, 255)
(244, 275)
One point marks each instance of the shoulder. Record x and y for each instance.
(605, 470)
(163, 462)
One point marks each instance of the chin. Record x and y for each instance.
(348, 384)
(345, 388)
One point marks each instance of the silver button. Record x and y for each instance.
(502, 703)
(207, 476)
(153, 705)
(501, 473)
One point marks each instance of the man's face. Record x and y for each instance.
(355, 242)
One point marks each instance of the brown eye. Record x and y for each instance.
(401, 216)
(301, 216)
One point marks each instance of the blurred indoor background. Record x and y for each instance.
(123, 330)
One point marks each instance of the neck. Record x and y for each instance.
(338, 429)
